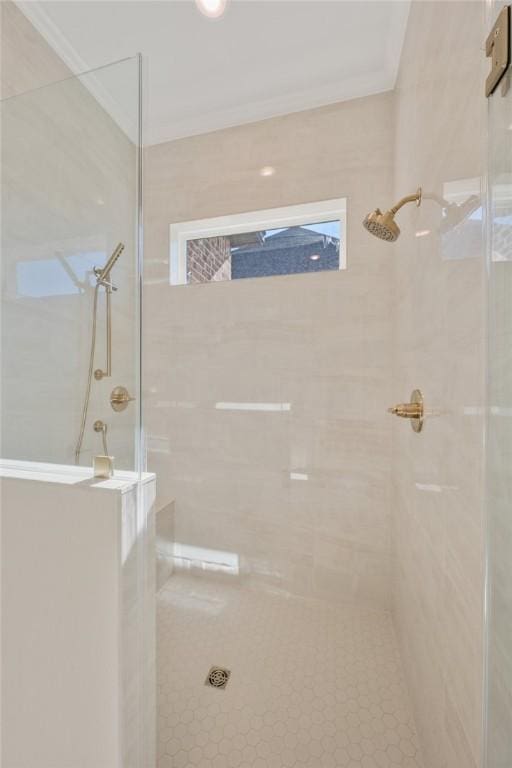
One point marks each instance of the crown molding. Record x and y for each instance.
(199, 123)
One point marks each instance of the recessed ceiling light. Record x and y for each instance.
(314, 257)
(267, 170)
(212, 8)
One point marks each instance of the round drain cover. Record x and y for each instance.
(218, 677)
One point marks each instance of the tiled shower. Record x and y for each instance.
(340, 518)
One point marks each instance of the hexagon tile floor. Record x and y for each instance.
(312, 685)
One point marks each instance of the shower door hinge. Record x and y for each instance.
(497, 46)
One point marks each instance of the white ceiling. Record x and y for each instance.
(262, 58)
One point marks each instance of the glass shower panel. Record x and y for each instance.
(498, 736)
(70, 194)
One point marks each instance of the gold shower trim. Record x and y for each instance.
(414, 410)
(415, 198)
(383, 225)
(119, 398)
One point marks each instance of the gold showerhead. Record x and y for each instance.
(383, 225)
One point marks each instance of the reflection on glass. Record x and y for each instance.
(461, 219)
(502, 220)
(59, 276)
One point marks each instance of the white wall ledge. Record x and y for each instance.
(69, 474)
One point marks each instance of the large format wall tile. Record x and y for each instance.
(300, 495)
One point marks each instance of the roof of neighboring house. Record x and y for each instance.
(244, 239)
(292, 237)
(291, 251)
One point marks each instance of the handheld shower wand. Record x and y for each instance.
(103, 273)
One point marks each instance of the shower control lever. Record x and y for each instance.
(413, 410)
(407, 410)
(119, 398)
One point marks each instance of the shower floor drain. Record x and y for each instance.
(217, 677)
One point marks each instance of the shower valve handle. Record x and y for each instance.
(413, 410)
(119, 398)
(407, 410)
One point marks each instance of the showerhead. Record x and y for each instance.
(383, 225)
(103, 273)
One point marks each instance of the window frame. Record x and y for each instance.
(271, 218)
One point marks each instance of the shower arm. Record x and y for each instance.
(416, 198)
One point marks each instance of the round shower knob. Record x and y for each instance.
(119, 398)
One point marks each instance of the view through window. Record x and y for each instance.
(230, 248)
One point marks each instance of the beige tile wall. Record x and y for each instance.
(320, 342)
(438, 343)
(26, 60)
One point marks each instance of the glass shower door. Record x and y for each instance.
(70, 156)
(70, 272)
(498, 735)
